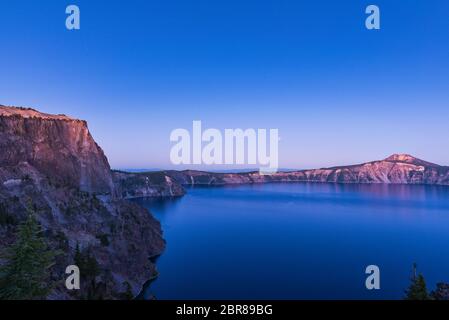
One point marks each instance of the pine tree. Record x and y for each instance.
(417, 289)
(441, 292)
(25, 275)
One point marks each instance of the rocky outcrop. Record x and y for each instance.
(51, 165)
(146, 184)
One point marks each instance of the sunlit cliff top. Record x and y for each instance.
(30, 113)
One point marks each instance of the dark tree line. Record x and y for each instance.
(418, 289)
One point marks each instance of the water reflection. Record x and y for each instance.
(299, 240)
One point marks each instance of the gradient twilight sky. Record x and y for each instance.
(337, 92)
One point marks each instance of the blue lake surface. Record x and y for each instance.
(300, 240)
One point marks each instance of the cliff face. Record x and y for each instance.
(53, 164)
(59, 147)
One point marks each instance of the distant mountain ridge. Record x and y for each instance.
(396, 169)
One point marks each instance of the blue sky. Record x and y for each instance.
(136, 70)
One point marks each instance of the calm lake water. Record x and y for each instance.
(300, 241)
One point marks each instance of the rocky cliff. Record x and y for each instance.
(59, 147)
(51, 164)
(146, 184)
